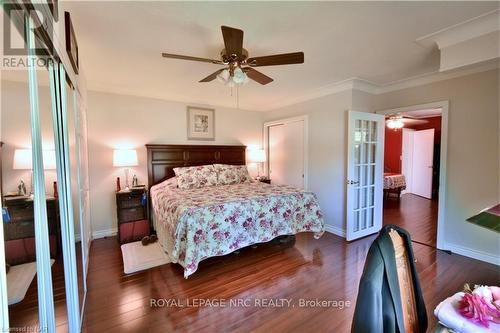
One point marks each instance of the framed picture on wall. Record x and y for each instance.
(71, 44)
(201, 123)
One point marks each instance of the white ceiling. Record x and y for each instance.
(120, 44)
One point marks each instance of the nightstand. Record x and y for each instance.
(133, 223)
(19, 232)
(265, 180)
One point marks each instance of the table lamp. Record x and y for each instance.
(23, 161)
(257, 156)
(125, 158)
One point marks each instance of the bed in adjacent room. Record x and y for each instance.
(222, 214)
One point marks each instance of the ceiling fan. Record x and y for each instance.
(397, 121)
(239, 68)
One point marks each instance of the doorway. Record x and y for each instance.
(286, 148)
(415, 144)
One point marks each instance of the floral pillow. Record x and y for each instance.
(170, 183)
(196, 176)
(232, 174)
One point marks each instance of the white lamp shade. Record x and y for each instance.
(125, 157)
(23, 159)
(257, 156)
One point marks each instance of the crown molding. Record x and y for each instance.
(373, 88)
(350, 84)
(457, 33)
(432, 77)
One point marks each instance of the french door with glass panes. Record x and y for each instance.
(365, 158)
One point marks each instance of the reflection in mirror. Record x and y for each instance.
(17, 195)
(18, 219)
(75, 185)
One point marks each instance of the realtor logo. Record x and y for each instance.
(15, 48)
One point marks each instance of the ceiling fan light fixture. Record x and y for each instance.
(238, 76)
(223, 76)
(395, 123)
(247, 79)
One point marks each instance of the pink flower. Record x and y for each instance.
(477, 309)
(495, 292)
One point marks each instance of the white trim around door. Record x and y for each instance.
(268, 124)
(444, 105)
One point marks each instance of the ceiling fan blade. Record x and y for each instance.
(212, 76)
(257, 76)
(277, 59)
(183, 57)
(233, 41)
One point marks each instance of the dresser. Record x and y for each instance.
(133, 223)
(19, 232)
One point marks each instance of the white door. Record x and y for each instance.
(423, 151)
(286, 154)
(365, 166)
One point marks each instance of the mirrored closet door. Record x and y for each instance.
(30, 219)
(44, 193)
(76, 180)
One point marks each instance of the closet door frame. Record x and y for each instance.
(60, 121)
(46, 315)
(267, 125)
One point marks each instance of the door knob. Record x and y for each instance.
(352, 182)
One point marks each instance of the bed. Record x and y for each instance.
(198, 223)
(394, 183)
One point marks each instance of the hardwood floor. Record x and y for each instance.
(25, 313)
(327, 269)
(415, 214)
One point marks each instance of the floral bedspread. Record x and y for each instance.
(196, 224)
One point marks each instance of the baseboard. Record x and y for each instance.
(104, 233)
(335, 230)
(474, 254)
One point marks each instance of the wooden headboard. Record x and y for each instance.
(162, 159)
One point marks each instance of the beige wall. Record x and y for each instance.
(117, 121)
(473, 154)
(327, 151)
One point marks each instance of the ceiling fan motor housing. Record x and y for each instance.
(228, 58)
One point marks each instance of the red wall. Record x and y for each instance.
(393, 145)
(394, 142)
